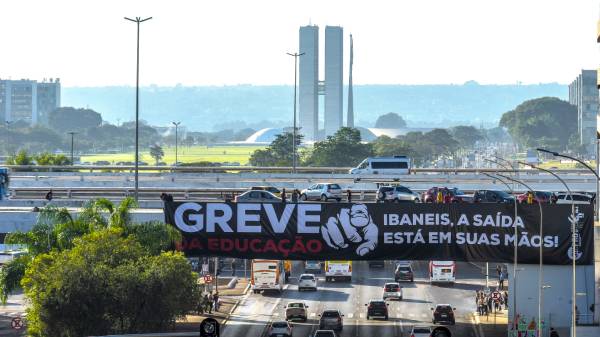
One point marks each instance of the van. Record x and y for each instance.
(383, 165)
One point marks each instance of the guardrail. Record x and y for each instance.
(223, 169)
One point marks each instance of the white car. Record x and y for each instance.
(307, 281)
(578, 198)
(392, 290)
(312, 265)
(280, 329)
(420, 331)
(323, 192)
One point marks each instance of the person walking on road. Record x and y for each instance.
(295, 196)
(501, 281)
(208, 302)
(216, 301)
(506, 300)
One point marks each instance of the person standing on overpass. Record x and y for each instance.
(283, 196)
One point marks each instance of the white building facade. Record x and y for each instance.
(28, 100)
(308, 95)
(334, 85)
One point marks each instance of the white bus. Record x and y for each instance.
(383, 165)
(335, 270)
(267, 275)
(442, 271)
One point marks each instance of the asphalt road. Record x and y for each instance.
(256, 311)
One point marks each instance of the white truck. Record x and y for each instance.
(442, 271)
(267, 275)
(338, 270)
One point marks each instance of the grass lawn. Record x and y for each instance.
(195, 153)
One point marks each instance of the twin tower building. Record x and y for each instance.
(332, 88)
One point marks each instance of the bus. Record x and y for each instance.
(442, 272)
(336, 270)
(267, 275)
(383, 165)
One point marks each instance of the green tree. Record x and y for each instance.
(70, 119)
(386, 146)
(21, 158)
(344, 148)
(466, 136)
(279, 153)
(156, 152)
(107, 284)
(46, 158)
(546, 121)
(390, 120)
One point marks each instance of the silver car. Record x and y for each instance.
(323, 192)
(257, 196)
(331, 319)
(397, 194)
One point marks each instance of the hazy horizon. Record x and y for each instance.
(235, 42)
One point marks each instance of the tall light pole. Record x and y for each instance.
(573, 243)
(541, 265)
(556, 154)
(176, 138)
(72, 133)
(7, 135)
(516, 250)
(137, 20)
(295, 55)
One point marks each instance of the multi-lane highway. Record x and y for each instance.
(256, 311)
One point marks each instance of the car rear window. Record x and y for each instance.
(391, 287)
(307, 277)
(444, 308)
(378, 304)
(403, 268)
(324, 334)
(334, 186)
(295, 305)
(279, 324)
(330, 314)
(421, 330)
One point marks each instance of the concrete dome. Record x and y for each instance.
(264, 136)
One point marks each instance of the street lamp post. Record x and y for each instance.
(573, 243)
(295, 55)
(516, 250)
(72, 133)
(7, 135)
(137, 20)
(541, 266)
(176, 139)
(556, 154)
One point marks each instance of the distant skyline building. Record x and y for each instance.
(28, 100)
(350, 117)
(583, 93)
(334, 85)
(308, 95)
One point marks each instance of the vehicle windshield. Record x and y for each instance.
(403, 269)
(324, 334)
(331, 314)
(280, 324)
(296, 305)
(503, 194)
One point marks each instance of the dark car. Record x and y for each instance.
(331, 319)
(324, 333)
(404, 272)
(455, 194)
(377, 308)
(443, 313)
(543, 197)
(492, 196)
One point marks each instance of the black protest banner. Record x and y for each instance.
(322, 231)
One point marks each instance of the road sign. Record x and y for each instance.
(17, 323)
(496, 295)
(208, 278)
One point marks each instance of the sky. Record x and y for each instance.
(230, 42)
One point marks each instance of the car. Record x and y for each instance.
(271, 189)
(324, 333)
(492, 196)
(312, 265)
(578, 198)
(376, 263)
(443, 313)
(397, 194)
(280, 329)
(307, 281)
(392, 290)
(455, 194)
(420, 331)
(323, 192)
(377, 308)
(331, 319)
(257, 196)
(296, 310)
(404, 272)
(539, 196)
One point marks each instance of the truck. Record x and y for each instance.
(442, 272)
(338, 270)
(267, 275)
